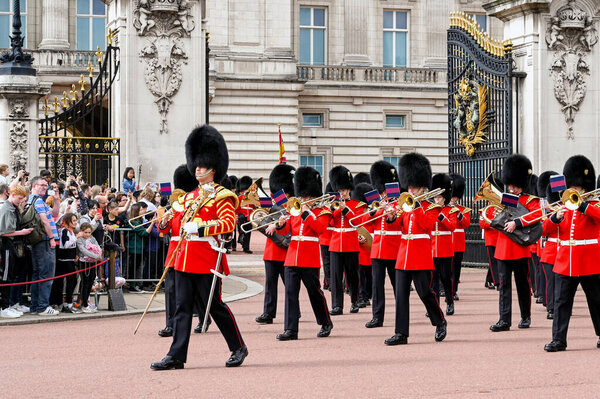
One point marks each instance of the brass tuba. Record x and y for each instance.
(490, 191)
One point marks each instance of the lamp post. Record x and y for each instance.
(15, 62)
(207, 76)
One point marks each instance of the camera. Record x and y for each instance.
(70, 201)
(26, 174)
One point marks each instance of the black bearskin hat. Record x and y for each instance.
(579, 171)
(598, 182)
(383, 172)
(543, 181)
(183, 180)
(282, 178)
(458, 185)
(226, 182)
(234, 180)
(442, 180)
(307, 182)
(244, 183)
(361, 177)
(206, 147)
(414, 170)
(550, 196)
(517, 171)
(340, 178)
(360, 190)
(328, 188)
(532, 188)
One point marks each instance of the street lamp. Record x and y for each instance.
(15, 62)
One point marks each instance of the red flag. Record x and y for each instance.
(281, 147)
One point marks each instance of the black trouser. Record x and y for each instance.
(540, 277)
(273, 270)
(549, 292)
(456, 268)
(170, 297)
(492, 276)
(326, 265)
(443, 271)
(310, 278)
(343, 262)
(243, 238)
(365, 280)
(87, 281)
(379, 268)
(187, 286)
(565, 289)
(422, 280)
(533, 273)
(520, 268)
(56, 293)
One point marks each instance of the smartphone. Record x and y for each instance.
(51, 193)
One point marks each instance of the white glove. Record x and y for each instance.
(190, 228)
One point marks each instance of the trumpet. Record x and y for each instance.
(570, 199)
(374, 206)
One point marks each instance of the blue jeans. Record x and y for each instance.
(44, 261)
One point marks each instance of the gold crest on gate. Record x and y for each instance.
(470, 114)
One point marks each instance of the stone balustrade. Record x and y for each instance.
(77, 60)
(381, 75)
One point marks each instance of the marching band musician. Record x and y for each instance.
(548, 247)
(344, 246)
(244, 211)
(463, 220)
(441, 240)
(324, 240)
(415, 261)
(211, 210)
(302, 263)
(578, 253)
(490, 237)
(512, 257)
(534, 262)
(281, 178)
(365, 268)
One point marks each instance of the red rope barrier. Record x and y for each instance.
(55, 277)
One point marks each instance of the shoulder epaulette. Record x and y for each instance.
(454, 210)
(432, 206)
(223, 193)
(360, 204)
(324, 212)
(531, 198)
(466, 210)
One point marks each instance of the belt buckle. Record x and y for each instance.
(435, 233)
(382, 232)
(572, 242)
(409, 236)
(300, 238)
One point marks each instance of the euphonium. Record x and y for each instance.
(491, 192)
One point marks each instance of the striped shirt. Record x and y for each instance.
(43, 209)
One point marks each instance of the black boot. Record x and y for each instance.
(398, 339)
(167, 363)
(440, 331)
(288, 335)
(166, 332)
(237, 357)
(325, 330)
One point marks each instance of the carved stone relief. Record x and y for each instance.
(18, 145)
(18, 109)
(571, 35)
(165, 23)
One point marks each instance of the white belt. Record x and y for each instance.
(176, 238)
(459, 230)
(247, 208)
(388, 233)
(414, 236)
(553, 239)
(441, 233)
(305, 238)
(574, 243)
(343, 230)
(211, 240)
(197, 238)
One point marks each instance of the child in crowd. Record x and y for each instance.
(89, 254)
(129, 180)
(66, 255)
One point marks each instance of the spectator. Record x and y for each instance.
(129, 180)
(135, 245)
(66, 255)
(102, 202)
(89, 253)
(112, 222)
(4, 172)
(124, 201)
(94, 218)
(3, 193)
(43, 254)
(157, 199)
(95, 191)
(147, 197)
(21, 179)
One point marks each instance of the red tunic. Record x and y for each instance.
(415, 246)
(173, 227)
(273, 251)
(490, 235)
(458, 235)
(246, 209)
(507, 249)
(304, 250)
(344, 237)
(386, 236)
(550, 248)
(441, 234)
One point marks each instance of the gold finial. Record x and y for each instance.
(90, 69)
(207, 35)
(109, 37)
(56, 104)
(99, 54)
(46, 107)
(65, 100)
(73, 93)
(82, 83)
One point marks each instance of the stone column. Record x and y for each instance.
(356, 30)
(55, 24)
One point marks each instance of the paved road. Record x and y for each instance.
(93, 358)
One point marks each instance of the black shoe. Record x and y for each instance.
(166, 332)
(489, 285)
(237, 357)
(354, 308)
(440, 331)
(398, 339)
(361, 303)
(442, 293)
(326, 286)
(450, 309)
(550, 316)
(325, 330)
(168, 363)
(264, 318)
(539, 299)
(375, 322)
(500, 326)
(198, 329)
(246, 251)
(555, 346)
(288, 335)
(456, 297)
(525, 323)
(336, 311)
(598, 344)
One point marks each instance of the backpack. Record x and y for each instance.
(30, 218)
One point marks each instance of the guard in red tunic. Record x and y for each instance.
(365, 240)
(344, 246)
(324, 240)
(415, 261)
(490, 237)
(463, 220)
(302, 263)
(441, 240)
(276, 246)
(578, 253)
(211, 208)
(243, 212)
(512, 257)
(548, 244)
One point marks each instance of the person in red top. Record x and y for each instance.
(415, 261)
(512, 257)
(302, 263)
(244, 211)
(441, 240)
(548, 243)
(463, 221)
(577, 259)
(209, 212)
(365, 268)
(344, 246)
(324, 240)
(281, 178)
(490, 237)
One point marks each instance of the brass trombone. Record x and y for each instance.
(374, 206)
(570, 199)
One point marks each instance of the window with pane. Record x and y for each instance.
(481, 19)
(6, 14)
(312, 36)
(395, 121)
(395, 38)
(312, 120)
(91, 24)
(392, 160)
(314, 161)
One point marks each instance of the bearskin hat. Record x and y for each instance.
(206, 147)
(282, 178)
(543, 181)
(458, 185)
(532, 188)
(244, 183)
(551, 197)
(517, 171)
(307, 182)
(226, 182)
(340, 178)
(360, 190)
(383, 172)
(598, 182)
(414, 170)
(182, 179)
(442, 180)
(234, 180)
(579, 171)
(361, 177)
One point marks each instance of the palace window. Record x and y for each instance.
(393, 160)
(312, 36)
(312, 120)
(6, 14)
(314, 161)
(481, 19)
(395, 38)
(395, 122)
(91, 24)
